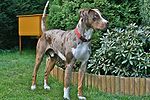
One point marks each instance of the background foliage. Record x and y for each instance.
(123, 52)
(9, 9)
(145, 11)
(64, 14)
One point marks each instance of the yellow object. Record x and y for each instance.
(30, 25)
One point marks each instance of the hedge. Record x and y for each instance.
(145, 11)
(64, 14)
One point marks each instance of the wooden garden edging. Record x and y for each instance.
(109, 83)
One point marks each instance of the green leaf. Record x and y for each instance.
(130, 62)
(124, 61)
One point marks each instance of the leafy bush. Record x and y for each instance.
(145, 11)
(122, 52)
(64, 14)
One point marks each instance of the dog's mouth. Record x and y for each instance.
(101, 26)
(105, 26)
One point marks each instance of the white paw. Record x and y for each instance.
(66, 93)
(66, 98)
(33, 87)
(81, 97)
(46, 87)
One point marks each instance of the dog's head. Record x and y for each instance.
(93, 18)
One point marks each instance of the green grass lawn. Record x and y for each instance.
(15, 80)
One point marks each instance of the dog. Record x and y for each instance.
(70, 46)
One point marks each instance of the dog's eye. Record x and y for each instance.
(94, 18)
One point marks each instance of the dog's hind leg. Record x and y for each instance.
(40, 51)
(50, 63)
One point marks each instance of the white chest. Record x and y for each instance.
(82, 51)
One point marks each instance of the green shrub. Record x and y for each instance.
(64, 14)
(145, 11)
(122, 52)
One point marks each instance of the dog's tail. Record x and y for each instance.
(43, 21)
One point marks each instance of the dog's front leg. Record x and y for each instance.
(81, 73)
(68, 72)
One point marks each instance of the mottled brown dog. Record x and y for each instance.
(69, 46)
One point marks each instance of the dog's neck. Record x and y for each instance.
(84, 31)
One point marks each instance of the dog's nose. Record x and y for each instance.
(107, 24)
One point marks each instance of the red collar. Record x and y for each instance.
(83, 39)
(77, 32)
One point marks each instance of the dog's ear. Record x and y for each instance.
(81, 12)
(84, 14)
